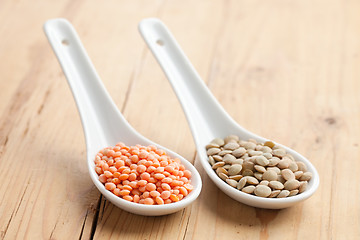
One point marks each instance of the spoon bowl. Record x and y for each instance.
(103, 124)
(206, 117)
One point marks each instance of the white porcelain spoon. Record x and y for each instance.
(206, 117)
(102, 122)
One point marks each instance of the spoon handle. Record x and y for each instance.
(203, 111)
(99, 114)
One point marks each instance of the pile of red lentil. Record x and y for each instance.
(142, 174)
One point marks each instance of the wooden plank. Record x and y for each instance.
(286, 70)
(49, 194)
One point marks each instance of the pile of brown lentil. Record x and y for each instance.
(261, 169)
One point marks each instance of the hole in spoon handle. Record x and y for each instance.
(160, 42)
(65, 42)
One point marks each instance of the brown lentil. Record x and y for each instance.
(241, 183)
(291, 184)
(283, 194)
(262, 191)
(264, 182)
(218, 164)
(236, 177)
(287, 174)
(248, 189)
(303, 186)
(212, 151)
(261, 169)
(223, 176)
(235, 169)
(293, 192)
(274, 193)
(270, 175)
(231, 146)
(276, 185)
(231, 182)
(306, 176)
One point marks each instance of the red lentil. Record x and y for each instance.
(144, 175)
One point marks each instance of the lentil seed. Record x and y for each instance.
(247, 172)
(231, 182)
(252, 180)
(239, 152)
(293, 192)
(268, 156)
(261, 160)
(224, 152)
(266, 149)
(212, 145)
(273, 161)
(291, 184)
(227, 166)
(264, 182)
(276, 185)
(303, 186)
(212, 151)
(235, 169)
(248, 165)
(241, 183)
(270, 175)
(280, 152)
(293, 166)
(211, 160)
(269, 144)
(301, 166)
(274, 193)
(248, 189)
(218, 164)
(275, 169)
(283, 163)
(229, 158)
(238, 161)
(246, 155)
(221, 170)
(250, 145)
(255, 153)
(231, 146)
(260, 169)
(236, 177)
(306, 176)
(283, 194)
(258, 176)
(223, 176)
(262, 191)
(217, 158)
(287, 174)
(281, 179)
(298, 174)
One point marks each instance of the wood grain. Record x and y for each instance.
(286, 70)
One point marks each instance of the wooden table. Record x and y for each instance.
(286, 70)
